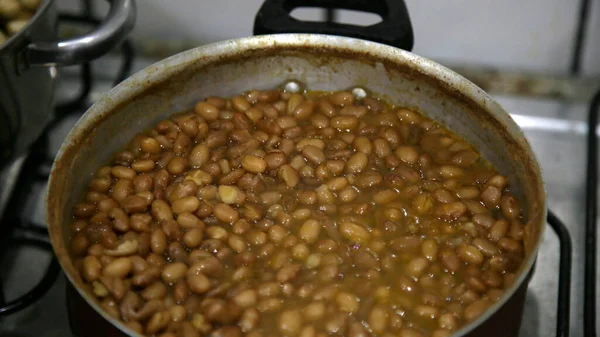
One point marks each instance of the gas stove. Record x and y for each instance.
(555, 301)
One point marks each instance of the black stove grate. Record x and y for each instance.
(35, 169)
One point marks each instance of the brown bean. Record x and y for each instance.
(198, 283)
(173, 272)
(486, 247)
(287, 273)
(161, 211)
(510, 245)
(470, 254)
(289, 175)
(155, 291)
(354, 232)
(158, 241)
(475, 309)
(249, 320)
(118, 268)
(158, 322)
(91, 268)
(450, 259)
(408, 332)
(357, 163)
(429, 248)
(187, 204)
(342, 98)
(290, 322)
(225, 213)
(344, 122)
(309, 231)
(240, 104)
(246, 298)
(498, 230)
(254, 164)
(313, 154)
(149, 145)
(207, 111)
(347, 302)
(510, 207)
(193, 238)
(423, 203)
(177, 165)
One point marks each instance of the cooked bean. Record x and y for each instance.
(193, 238)
(344, 122)
(498, 230)
(187, 204)
(249, 320)
(486, 247)
(347, 302)
(290, 322)
(470, 254)
(254, 164)
(298, 214)
(158, 241)
(225, 213)
(342, 98)
(118, 268)
(309, 231)
(510, 207)
(289, 175)
(161, 210)
(173, 272)
(429, 248)
(475, 309)
(357, 163)
(354, 232)
(156, 290)
(313, 154)
(207, 111)
(450, 259)
(408, 332)
(158, 322)
(198, 283)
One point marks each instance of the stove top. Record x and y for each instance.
(556, 129)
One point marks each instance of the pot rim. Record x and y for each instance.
(13, 41)
(207, 54)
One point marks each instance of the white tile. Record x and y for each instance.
(591, 51)
(533, 35)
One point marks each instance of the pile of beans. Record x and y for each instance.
(274, 213)
(14, 15)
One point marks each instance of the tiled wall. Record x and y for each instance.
(534, 35)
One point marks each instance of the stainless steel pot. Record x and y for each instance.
(323, 63)
(28, 62)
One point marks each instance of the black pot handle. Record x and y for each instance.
(395, 29)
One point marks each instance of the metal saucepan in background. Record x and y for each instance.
(321, 62)
(28, 62)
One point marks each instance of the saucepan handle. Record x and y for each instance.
(113, 30)
(395, 29)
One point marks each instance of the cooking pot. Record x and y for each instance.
(321, 62)
(28, 62)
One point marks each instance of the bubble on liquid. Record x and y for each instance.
(359, 93)
(292, 86)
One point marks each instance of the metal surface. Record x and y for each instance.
(27, 92)
(591, 223)
(264, 62)
(555, 128)
(118, 23)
